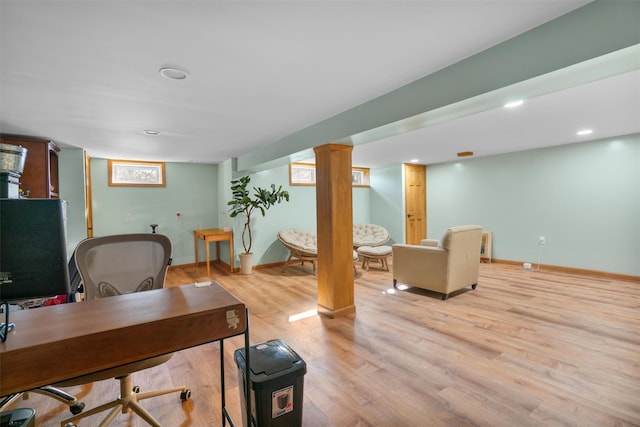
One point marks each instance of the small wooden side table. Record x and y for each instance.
(214, 235)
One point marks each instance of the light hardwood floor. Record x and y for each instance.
(523, 349)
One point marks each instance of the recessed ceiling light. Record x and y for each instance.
(584, 132)
(173, 73)
(151, 132)
(465, 154)
(514, 104)
(414, 160)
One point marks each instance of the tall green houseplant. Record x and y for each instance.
(243, 203)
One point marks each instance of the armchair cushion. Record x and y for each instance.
(302, 241)
(430, 242)
(369, 235)
(303, 245)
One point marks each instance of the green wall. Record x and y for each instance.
(296, 213)
(584, 198)
(71, 177)
(387, 201)
(200, 194)
(299, 212)
(190, 191)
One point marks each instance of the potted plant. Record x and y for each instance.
(244, 203)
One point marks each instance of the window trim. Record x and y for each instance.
(302, 166)
(363, 172)
(114, 165)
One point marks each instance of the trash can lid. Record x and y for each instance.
(271, 357)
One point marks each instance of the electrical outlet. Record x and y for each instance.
(541, 240)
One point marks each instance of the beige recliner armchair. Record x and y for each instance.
(444, 265)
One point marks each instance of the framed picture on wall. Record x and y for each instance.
(485, 247)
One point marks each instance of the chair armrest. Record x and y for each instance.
(418, 251)
(422, 266)
(426, 259)
(429, 242)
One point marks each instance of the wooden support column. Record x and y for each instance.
(334, 212)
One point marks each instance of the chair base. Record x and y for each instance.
(74, 405)
(442, 296)
(314, 262)
(302, 258)
(128, 401)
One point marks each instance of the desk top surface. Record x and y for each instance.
(60, 342)
(210, 231)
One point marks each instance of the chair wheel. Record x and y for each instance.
(76, 408)
(136, 389)
(185, 395)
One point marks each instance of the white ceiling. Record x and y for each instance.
(85, 74)
(610, 107)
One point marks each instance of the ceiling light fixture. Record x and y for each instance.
(414, 160)
(514, 104)
(151, 132)
(465, 154)
(584, 132)
(173, 73)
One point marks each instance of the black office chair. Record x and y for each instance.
(114, 265)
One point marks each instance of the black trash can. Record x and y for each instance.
(277, 381)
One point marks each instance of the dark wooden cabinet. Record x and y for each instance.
(40, 175)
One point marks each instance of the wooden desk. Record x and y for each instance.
(214, 235)
(61, 342)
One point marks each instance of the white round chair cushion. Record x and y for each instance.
(369, 235)
(375, 251)
(301, 239)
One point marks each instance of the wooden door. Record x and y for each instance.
(415, 203)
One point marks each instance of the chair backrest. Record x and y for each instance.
(369, 235)
(462, 243)
(122, 263)
(462, 236)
